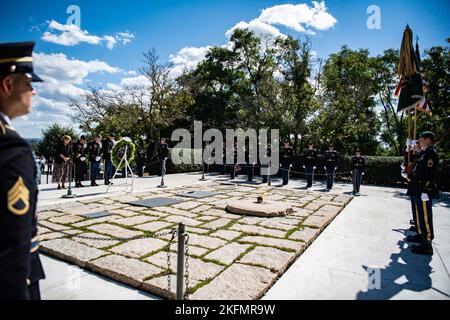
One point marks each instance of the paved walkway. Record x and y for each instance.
(368, 233)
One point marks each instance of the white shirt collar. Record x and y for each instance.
(7, 119)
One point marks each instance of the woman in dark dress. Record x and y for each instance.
(62, 162)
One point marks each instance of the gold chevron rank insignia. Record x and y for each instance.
(19, 198)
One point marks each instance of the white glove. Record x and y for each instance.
(325, 168)
(98, 158)
(315, 168)
(413, 143)
(408, 142)
(304, 167)
(83, 159)
(425, 197)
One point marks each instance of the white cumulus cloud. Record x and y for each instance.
(300, 18)
(71, 35)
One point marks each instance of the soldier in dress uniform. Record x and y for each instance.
(108, 145)
(20, 266)
(286, 160)
(267, 166)
(358, 168)
(331, 158)
(163, 153)
(310, 163)
(95, 158)
(423, 189)
(80, 154)
(250, 164)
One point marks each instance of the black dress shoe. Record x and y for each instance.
(414, 239)
(411, 222)
(422, 249)
(413, 229)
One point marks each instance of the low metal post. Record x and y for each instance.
(269, 183)
(69, 194)
(163, 173)
(180, 262)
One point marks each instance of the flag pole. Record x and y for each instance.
(409, 137)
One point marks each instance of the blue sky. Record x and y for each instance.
(172, 25)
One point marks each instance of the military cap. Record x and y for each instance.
(427, 135)
(17, 58)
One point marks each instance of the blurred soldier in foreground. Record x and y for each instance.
(423, 190)
(358, 167)
(20, 266)
(331, 157)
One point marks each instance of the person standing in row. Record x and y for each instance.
(95, 158)
(80, 154)
(163, 153)
(331, 158)
(286, 161)
(310, 161)
(358, 168)
(62, 162)
(108, 145)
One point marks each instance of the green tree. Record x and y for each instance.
(348, 118)
(51, 137)
(436, 65)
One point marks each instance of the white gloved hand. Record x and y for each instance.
(315, 168)
(83, 159)
(304, 167)
(413, 143)
(425, 197)
(98, 158)
(408, 142)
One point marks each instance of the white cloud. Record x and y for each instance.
(63, 79)
(187, 59)
(258, 27)
(71, 35)
(138, 82)
(300, 18)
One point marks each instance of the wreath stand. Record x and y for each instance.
(129, 189)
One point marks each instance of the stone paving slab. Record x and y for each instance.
(271, 258)
(140, 247)
(129, 271)
(114, 231)
(71, 251)
(230, 256)
(238, 282)
(228, 253)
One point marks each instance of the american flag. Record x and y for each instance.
(422, 105)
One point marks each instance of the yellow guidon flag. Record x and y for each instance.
(19, 198)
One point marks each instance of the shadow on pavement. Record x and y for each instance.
(406, 271)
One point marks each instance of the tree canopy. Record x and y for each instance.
(265, 82)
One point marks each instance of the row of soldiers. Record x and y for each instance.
(310, 159)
